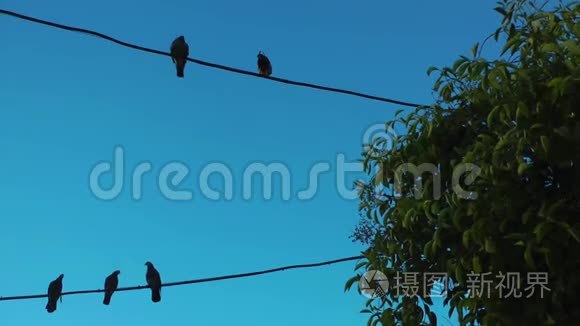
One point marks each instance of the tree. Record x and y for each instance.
(514, 123)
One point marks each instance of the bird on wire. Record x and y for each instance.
(153, 281)
(54, 294)
(111, 284)
(179, 53)
(264, 65)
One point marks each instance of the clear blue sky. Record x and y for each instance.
(68, 99)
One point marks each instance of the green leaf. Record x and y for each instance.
(512, 43)
(407, 220)
(459, 274)
(360, 265)
(526, 217)
(427, 209)
(572, 47)
(490, 246)
(574, 234)
(554, 207)
(437, 239)
(431, 70)
(427, 249)
(350, 282)
(550, 47)
(459, 62)
(545, 144)
(537, 126)
(500, 10)
(570, 230)
(528, 255)
(541, 229)
(491, 115)
(522, 167)
(557, 84)
(496, 34)
(435, 208)
(542, 211)
(474, 49)
(457, 215)
(476, 264)
(522, 111)
(563, 131)
(465, 238)
(437, 85)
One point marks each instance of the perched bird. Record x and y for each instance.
(111, 283)
(54, 293)
(154, 282)
(264, 65)
(179, 54)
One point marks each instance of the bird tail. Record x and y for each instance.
(107, 298)
(265, 71)
(156, 295)
(51, 306)
(180, 65)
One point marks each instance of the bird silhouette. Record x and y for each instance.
(154, 282)
(179, 53)
(264, 65)
(54, 293)
(111, 284)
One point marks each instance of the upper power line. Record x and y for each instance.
(202, 280)
(208, 64)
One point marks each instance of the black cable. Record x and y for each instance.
(204, 63)
(203, 280)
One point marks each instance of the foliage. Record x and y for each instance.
(517, 119)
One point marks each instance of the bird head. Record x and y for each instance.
(260, 54)
(148, 264)
(61, 276)
(117, 272)
(181, 38)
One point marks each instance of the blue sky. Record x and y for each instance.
(68, 100)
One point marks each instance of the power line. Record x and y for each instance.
(207, 64)
(202, 280)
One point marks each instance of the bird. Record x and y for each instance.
(111, 283)
(264, 65)
(179, 53)
(154, 282)
(54, 293)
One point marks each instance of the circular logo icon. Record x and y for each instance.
(373, 284)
